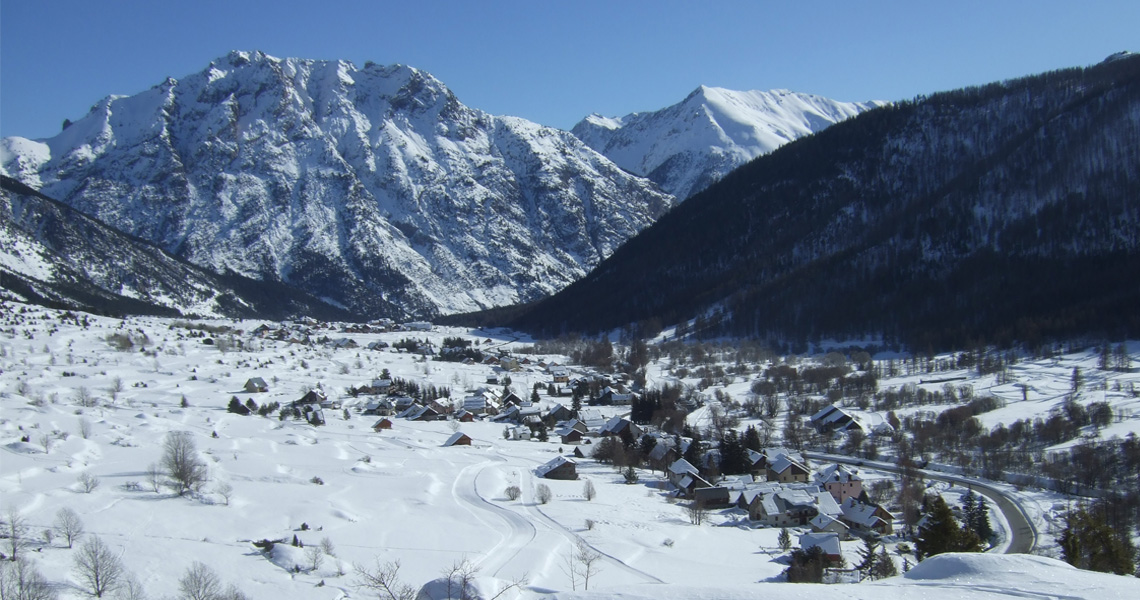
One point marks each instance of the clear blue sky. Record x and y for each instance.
(554, 61)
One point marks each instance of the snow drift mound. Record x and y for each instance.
(989, 567)
(475, 588)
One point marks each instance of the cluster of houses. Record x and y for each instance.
(838, 419)
(782, 491)
(308, 331)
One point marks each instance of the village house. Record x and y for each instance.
(866, 518)
(685, 477)
(557, 413)
(786, 470)
(610, 396)
(663, 454)
(558, 468)
(256, 385)
(841, 481)
(458, 439)
(622, 428)
(377, 407)
(828, 542)
(560, 375)
(464, 417)
(822, 523)
(712, 497)
(381, 425)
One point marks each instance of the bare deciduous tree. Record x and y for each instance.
(542, 493)
(384, 581)
(588, 562)
(697, 512)
(588, 490)
(115, 389)
(327, 546)
(225, 490)
(181, 462)
(83, 397)
(15, 530)
(88, 482)
(154, 476)
(314, 557)
(68, 524)
(97, 567)
(20, 580)
(199, 583)
(130, 589)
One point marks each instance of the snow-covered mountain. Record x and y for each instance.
(55, 255)
(695, 142)
(373, 188)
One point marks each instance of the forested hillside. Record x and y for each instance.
(986, 214)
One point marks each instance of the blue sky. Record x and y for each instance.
(552, 61)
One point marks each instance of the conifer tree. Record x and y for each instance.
(941, 533)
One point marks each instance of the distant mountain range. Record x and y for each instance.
(687, 146)
(373, 188)
(376, 190)
(985, 215)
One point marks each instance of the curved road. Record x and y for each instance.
(1022, 535)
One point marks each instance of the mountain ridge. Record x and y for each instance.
(374, 187)
(686, 146)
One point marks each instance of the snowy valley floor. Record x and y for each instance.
(395, 495)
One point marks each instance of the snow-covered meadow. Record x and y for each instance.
(75, 407)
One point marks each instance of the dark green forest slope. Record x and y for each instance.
(990, 214)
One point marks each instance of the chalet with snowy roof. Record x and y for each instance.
(401, 403)
(822, 523)
(866, 518)
(685, 477)
(380, 386)
(377, 345)
(458, 439)
(786, 470)
(570, 432)
(255, 385)
(663, 454)
(622, 428)
(475, 404)
(567, 435)
(611, 397)
(418, 326)
(517, 432)
(312, 397)
(841, 481)
(558, 468)
(783, 508)
(377, 407)
(344, 344)
(828, 542)
(560, 375)
(511, 398)
(409, 411)
(557, 413)
(381, 425)
(712, 497)
(593, 419)
(464, 417)
(510, 414)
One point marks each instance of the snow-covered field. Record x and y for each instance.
(395, 495)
